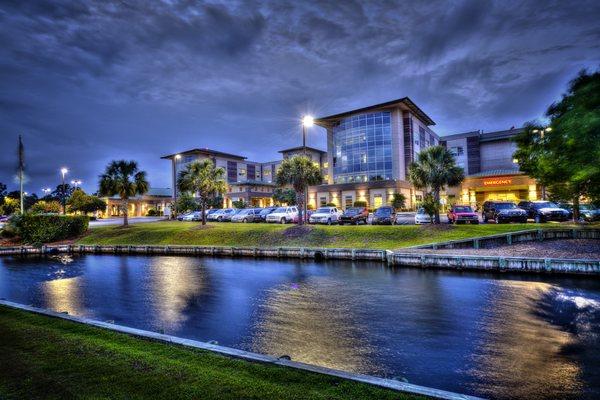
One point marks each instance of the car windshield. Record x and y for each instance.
(463, 209)
(352, 211)
(280, 210)
(266, 211)
(245, 212)
(504, 206)
(323, 210)
(544, 204)
(587, 207)
(383, 212)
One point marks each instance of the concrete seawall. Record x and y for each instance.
(399, 258)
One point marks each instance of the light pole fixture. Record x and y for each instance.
(76, 182)
(176, 160)
(63, 191)
(307, 122)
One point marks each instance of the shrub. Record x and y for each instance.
(46, 207)
(43, 228)
(239, 204)
(152, 213)
(330, 205)
(360, 203)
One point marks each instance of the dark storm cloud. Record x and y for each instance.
(90, 81)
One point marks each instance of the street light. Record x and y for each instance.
(307, 122)
(76, 182)
(177, 158)
(63, 172)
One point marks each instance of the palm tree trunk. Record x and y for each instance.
(300, 202)
(576, 207)
(125, 212)
(203, 208)
(436, 197)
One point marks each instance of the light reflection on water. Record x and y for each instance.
(497, 336)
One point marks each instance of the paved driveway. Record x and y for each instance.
(119, 221)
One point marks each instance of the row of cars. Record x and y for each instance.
(504, 212)
(496, 211)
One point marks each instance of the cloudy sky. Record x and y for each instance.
(87, 82)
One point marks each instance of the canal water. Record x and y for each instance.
(491, 335)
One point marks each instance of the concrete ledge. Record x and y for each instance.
(249, 356)
(530, 235)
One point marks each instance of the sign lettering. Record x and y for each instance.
(497, 181)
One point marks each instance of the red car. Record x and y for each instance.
(464, 214)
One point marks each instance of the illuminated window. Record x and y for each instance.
(325, 165)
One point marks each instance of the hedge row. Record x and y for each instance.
(45, 228)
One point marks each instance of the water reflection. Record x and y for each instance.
(313, 322)
(64, 295)
(520, 356)
(175, 284)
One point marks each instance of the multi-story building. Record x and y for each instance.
(369, 151)
(491, 173)
(252, 182)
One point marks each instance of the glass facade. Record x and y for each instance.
(362, 146)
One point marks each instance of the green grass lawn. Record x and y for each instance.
(274, 235)
(48, 358)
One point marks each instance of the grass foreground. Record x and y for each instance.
(49, 358)
(275, 235)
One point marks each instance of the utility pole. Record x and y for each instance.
(21, 167)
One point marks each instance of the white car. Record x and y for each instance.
(283, 215)
(325, 215)
(193, 216)
(421, 217)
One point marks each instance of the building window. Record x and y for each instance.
(322, 201)
(362, 147)
(377, 201)
(348, 201)
(457, 151)
(188, 159)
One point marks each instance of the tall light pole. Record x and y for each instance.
(63, 172)
(76, 183)
(177, 158)
(307, 122)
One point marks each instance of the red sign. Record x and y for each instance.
(497, 181)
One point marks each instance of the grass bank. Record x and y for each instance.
(48, 358)
(267, 235)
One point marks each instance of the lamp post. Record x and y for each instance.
(176, 160)
(63, 172)
(307, 122)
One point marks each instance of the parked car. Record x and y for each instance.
(246, 215)
(211, 211)
(262, 216)
(354, 215)
(503, 211)
(544, 211)
(421, 217)
(184, 217)
(220, 214)
(283, 215)
(587, 212)
(193, 216)
(228, 215)
(4, 218)
(462, 214)
(385, 215)
(325, 215)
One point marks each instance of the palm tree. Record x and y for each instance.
(123, 178)
(434, 170)
(203, 179)
(300, 172)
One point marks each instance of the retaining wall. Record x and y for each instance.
(530, 235)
